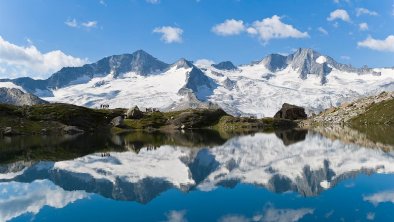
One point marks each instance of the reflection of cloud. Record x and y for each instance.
(370, 216)
(234, 218)
(377, 198)
(271, 214)
(176, 216)
(20, 198)
(282, 215)
(350, 185)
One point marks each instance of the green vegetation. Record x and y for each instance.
(53, 117)
(376, 114)
(377, 122)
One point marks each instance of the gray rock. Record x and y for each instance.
(183, 63)
(72, 130)
(197, 80)
(117, 121)
(226, 65)
(134, 113)
(291, 112)
(9, 131)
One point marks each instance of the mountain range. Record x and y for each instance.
(305, 78)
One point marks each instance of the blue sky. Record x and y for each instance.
(37, 37)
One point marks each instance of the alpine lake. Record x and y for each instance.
(200, 175)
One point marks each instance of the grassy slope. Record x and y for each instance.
(377, 123)
(32, 119)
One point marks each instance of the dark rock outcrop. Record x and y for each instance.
(134, 113)
(227, 65)
(291, 112)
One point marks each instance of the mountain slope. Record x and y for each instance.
(305, 78)
(17, 97)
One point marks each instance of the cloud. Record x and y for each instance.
(169, 34)
(322, 30)
(153, 1)
(363, 26)
(274, 28)
(102, 2)
(71, 23)
(17, 61)
(340, 14)
(89, 24)
(364, 11)
(229, 27)
(370, 216)
(386, 45)
(265, 30)
(203, 63)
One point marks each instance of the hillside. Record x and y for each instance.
(17, 97)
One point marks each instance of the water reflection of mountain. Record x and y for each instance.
(307, 167)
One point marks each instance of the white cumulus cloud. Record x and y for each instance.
(340, 14)
(363, 26)
(229, 27)
(169, 34)
(365, 11)
(17, 61)
(274, 28)
(386, 45)
(265, 30)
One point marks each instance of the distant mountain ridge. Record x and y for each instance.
(253, 89)
(18, 97)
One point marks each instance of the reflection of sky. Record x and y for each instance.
(242, 203)
(19, 198)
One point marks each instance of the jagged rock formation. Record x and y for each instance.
(227, 65)
(18, 97)
(198, 83)
(307, 61)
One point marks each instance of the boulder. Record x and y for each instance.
(8, 131)
(72, 130)
(117, 121)
(134, 113)
(291, 112)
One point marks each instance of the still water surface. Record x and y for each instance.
(194, 176)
